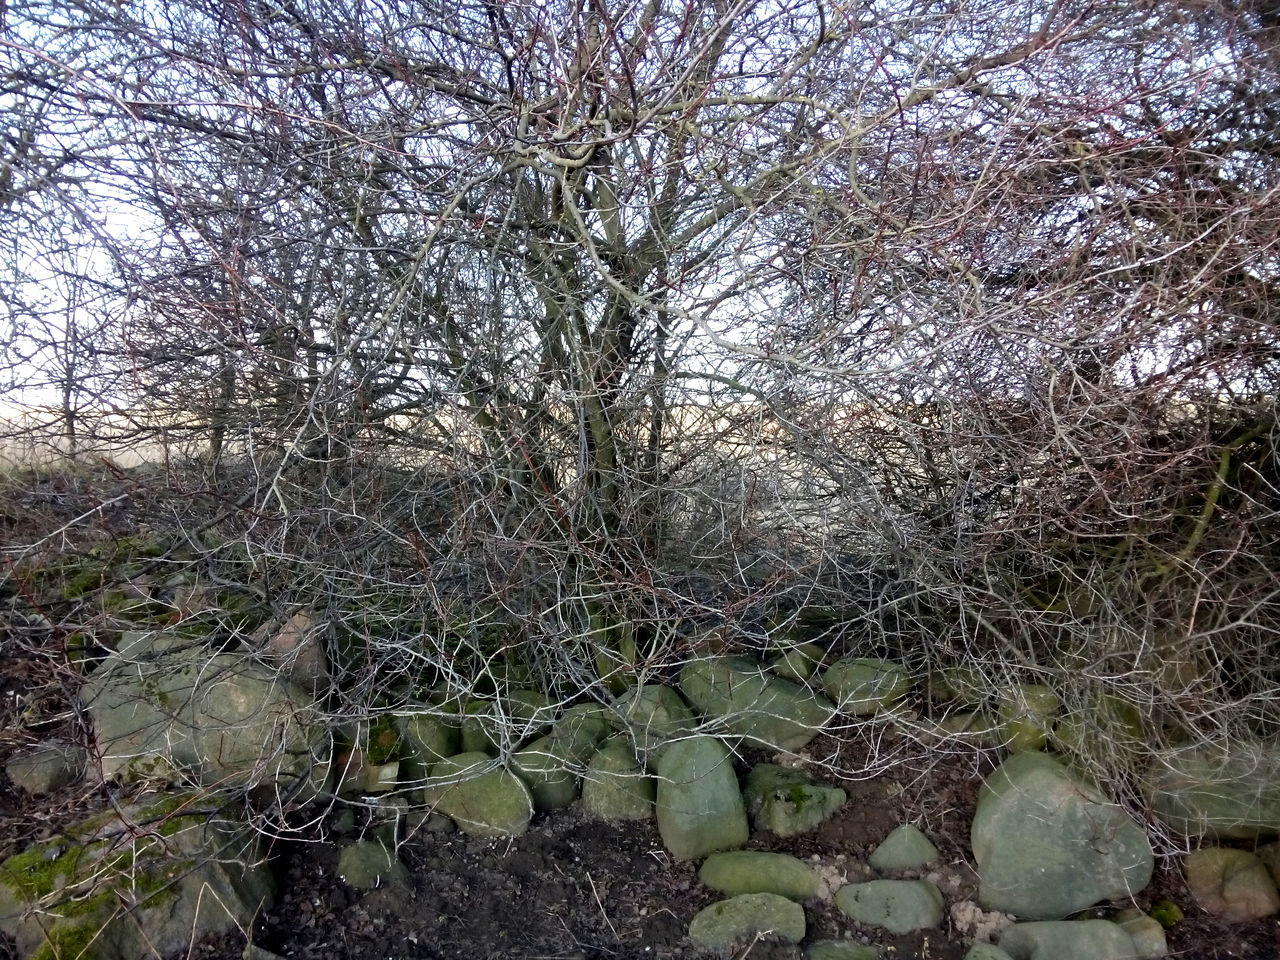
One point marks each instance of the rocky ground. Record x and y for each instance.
(571, 887)
(577, 888)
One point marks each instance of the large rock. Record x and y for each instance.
(140, 883)
(615, 786)
(1048, 843)
(49, 767)
(783, 801)
(579, 731)
(427, 736)
(752, 704)
(754, 871)
(699, 805)
(653, 715)
(747, 918)
(483, 799)
(548, 772)
(861, 687)
(1068, 940)
(165, 709)
(1234, 884)
(1229, 791)
(899, 906)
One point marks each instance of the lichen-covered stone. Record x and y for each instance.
(615, 786)
(905, 848)
(143, 882)
(752, 704)
(427, 736)
(483, 799)
(842, 950)
(744, 919)
(1048, 843)
(899, 906)
(783, 801)
(1230, 790)
(547, 772)
(49, 767)
(653, 715)
(367, 865)
(1026, 713)
(860, 686)
(1068, 940)
(164, 709)
(699, 804)
(1146, 932)
(1234, 884)
(755, 871)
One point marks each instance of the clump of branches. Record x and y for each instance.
(548, 338)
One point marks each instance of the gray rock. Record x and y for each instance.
(1146, 933)
(165, 710)
(798, 662)
(861, 687)
(49, 767)
(1049, 844)
(1068, 940)
(842, 950)
(977, 727)
(142, 883)
(744, 918)
(547, 772)
(368, 865)
(783, 801)
(964, 685)
(899, 906)
(905, 848)
(699, 805)
(615, 786)
(1234, 884)
(482, 728)
(749, 703)
(1270, 855)
(652, 715)
(427, 736)
(581, 729)
(754, 871)
(298, 648)
(1026, 712)
(483, 799)
(986, 951)
(1230, 791)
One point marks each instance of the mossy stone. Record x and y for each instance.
(615, 786)
(861, 686)
(747, 702)
(783, 801)
(755, 871)
(748, 917)
(484, 800)
(899, 906)
(547, 772)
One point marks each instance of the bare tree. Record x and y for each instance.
(535, 302)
